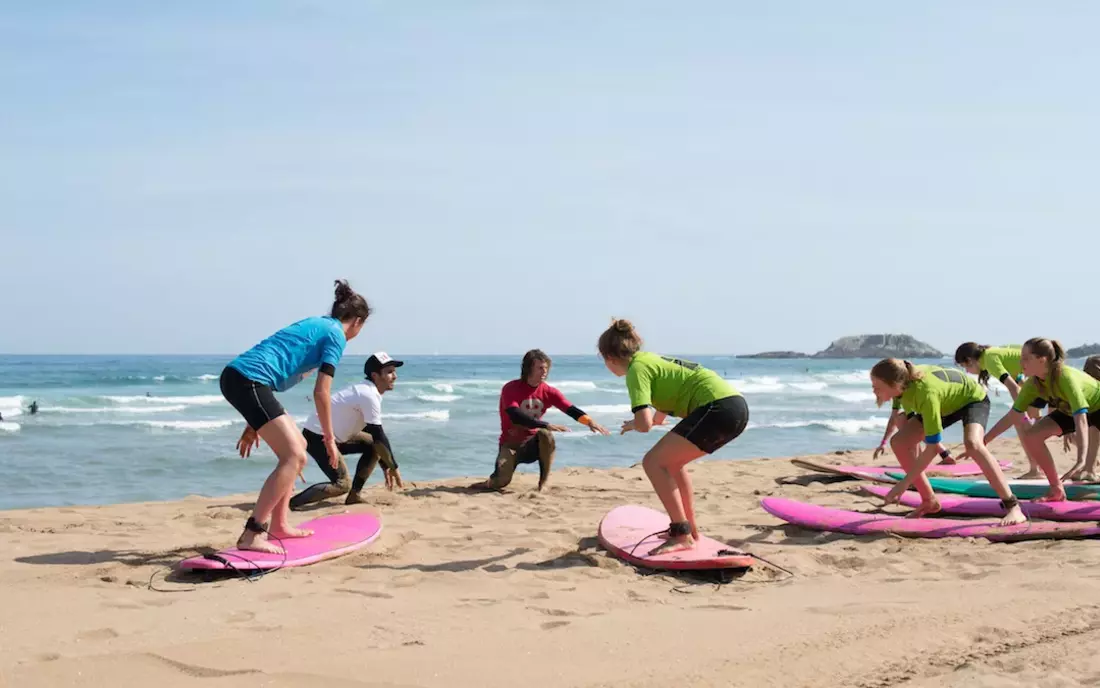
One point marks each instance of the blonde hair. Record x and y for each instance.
(620, 341)
(1051, 350)
(894, 371)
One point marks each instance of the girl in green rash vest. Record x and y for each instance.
(1001, 363)
(1074, 397)
(713, 414)
(938, 398)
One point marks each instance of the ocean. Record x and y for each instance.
(135, 428)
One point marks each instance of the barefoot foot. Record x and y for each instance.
(288, 533)
(1054, 494)
(673, 544)
(925, 509)
(1031, 475)
(256, 542)
(355, 498)
(1014, 517)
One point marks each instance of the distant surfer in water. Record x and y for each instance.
(1075, 399)
(33, 407)
(1003, 364)
(524, 436)
(713, 413)
(357, 425)
(275, 365)
(937, 398)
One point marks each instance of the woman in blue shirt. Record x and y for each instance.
(275, 365)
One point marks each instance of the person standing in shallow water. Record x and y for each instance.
(276, 364)
(713, 413)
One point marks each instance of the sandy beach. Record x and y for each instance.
(513, 589)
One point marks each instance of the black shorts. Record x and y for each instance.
(974, 412)
(711, 426)
(1065, 421)
(253, 400)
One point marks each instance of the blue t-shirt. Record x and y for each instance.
(284, 358)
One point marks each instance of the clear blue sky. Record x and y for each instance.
(734, 176)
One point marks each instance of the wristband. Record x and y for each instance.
(585, 420)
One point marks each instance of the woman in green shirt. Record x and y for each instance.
(938, 398)
(1002, 363)
(713, 413)
(1074, 398)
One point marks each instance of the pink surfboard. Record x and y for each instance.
(854, 523)
(333, 536)
(877, 473)
(981, 506)
(628, 532)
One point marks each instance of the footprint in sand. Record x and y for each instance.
(550, 625)
(98, 634)
(240, 617)
(366, 593)
(160, 602)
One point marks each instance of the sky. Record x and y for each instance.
(495, 176)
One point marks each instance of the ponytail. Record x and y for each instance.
(972, 351)
(347, 304)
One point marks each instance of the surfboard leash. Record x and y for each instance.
(251, 575)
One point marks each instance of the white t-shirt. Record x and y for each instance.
(352, 408)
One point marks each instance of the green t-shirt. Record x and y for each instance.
(672, 385)
(1076, 392)
(940, 392)
(999, 361)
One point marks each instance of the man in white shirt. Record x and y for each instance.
(357, 424)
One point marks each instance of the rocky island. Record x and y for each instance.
(865, 346)
(1083, 351)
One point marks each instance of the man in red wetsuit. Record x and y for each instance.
(524, 436)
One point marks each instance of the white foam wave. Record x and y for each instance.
(11, 412)
(443, 387)
(846, 378)
(9, 427)
(753, 388)
(11, 402)
(843, 427)
(114, 409)
(854, 397)
(439, 415)
(574, 385)
(809, 386)
(608, 409)
(207, 377)
(174, 424)
(159, 378)
(201, 400)
(439, 398)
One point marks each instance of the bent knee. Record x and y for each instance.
(545, 437)
(297, 460)
(973, 444)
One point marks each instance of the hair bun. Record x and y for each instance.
(622, 326)
(343, 291)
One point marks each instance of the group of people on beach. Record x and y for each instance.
(926, 399)
(711, 411)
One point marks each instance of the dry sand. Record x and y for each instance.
(513, 590)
